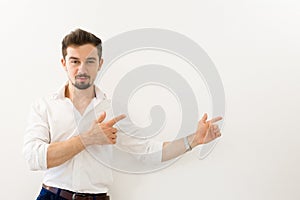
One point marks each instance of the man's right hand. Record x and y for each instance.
(102, 133)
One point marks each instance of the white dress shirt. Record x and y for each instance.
(54, 118)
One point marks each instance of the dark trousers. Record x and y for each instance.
(47, 195)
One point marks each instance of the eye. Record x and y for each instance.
(90, 61)
(74, 61)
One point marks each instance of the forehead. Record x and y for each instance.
(82, 51)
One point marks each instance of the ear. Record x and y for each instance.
(100, 63)
(63, 63)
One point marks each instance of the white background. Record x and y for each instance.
(254, 45)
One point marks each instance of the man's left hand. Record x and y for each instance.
(206, 131)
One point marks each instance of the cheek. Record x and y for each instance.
(95, 72)
(71, 71)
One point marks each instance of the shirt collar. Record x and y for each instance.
(60, 94)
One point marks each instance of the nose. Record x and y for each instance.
(82, 68)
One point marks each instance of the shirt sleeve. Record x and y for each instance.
(37, 137)
(144, 149)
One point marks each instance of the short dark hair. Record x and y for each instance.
(80, 37)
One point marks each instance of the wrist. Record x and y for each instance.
(192, 140)
(79, 144)
(187, 144)
(85, 139)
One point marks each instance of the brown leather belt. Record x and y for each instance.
(69, 195)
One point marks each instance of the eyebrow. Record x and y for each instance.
(91, 58)
(75, 58)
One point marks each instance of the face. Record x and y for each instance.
(82, 64)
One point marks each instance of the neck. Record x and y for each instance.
(74, 94)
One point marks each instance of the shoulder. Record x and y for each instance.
(42, 103)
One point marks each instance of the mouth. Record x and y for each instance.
(82, 78)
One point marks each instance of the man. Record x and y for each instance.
(62, 129)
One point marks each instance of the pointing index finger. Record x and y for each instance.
(115, 120)
(216, 119)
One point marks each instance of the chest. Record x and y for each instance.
(66, 120)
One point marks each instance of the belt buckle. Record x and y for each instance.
(79, 195)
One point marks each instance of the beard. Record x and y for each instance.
(81, 85)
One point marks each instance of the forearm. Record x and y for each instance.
(176, 148)
(60, 152)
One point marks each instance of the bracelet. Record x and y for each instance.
(187, 144)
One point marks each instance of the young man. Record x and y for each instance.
(62, 128)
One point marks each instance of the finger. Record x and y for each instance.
(216, 127)
(114, 130)
(204, 118)
(115, 120)
(211, 129)
(113, 141)
(101, 117)
(113, 136)
(216, 119)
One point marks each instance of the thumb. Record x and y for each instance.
(204, 118)
(101, 117)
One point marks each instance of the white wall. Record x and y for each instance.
(255, 46)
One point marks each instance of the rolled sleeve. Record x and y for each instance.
(37, 137)
(133, 139)
(145, 150)
(154, 152)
